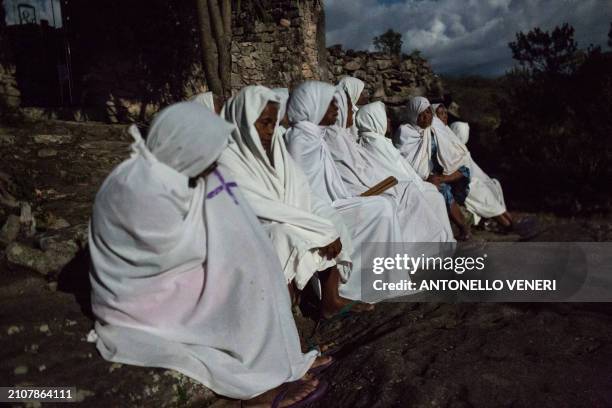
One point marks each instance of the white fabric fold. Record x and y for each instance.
(414, 143)
(486, 197)
(462, 130)
(372, 124)
(207, 99)
(382, 219)
(360, 170)
(185, 278)
(369, 219)
(278, 191)
(353, 87)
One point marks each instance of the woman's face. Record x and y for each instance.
(363, 99)
(266, 123)
(424, 119)
(442, 114)
(331, 115)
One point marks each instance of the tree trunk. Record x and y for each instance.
(210, 54)
(220, 17)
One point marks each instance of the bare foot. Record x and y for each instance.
(330, 307)
(294, 392)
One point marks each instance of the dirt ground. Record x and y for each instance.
(400, 355)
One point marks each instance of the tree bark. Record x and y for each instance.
(210, 50)
(222, 36)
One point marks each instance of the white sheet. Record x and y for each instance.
(185, 278)
(278, 193)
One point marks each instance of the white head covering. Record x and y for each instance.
(416, 106)
(167, 287)
(354, 87)
(414, 142)
(372, 124)
(353, 163)
(373, 120)
(284, 95)
(308, 102)
(462, 130)
(277, 190)
(207, 99)
(435, 106)
(180, 144)
(305, 139)
(343, 108)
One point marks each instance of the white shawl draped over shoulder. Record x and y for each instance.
(369, 219)
(372, 124)
(414, 142)
(462, 130)
(360, 170)
(353, 87)
(185, 278)
(278, 192)
(486, 197)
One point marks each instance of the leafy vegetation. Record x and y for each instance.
(545, 125)
(390, 42)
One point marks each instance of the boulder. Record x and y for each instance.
(361, 75)
(47, 262)
(384, 64)
(10, 230)
(353, 65)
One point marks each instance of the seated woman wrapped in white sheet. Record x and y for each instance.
(301, 228)
(183, 276)
(360, 170)
(369, 219)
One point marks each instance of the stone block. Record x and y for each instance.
(353, 65)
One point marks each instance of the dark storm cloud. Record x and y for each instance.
(463, 36)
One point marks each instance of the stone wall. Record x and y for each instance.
(391, 79)
(279, 45)
(281, 49)
(9, 92)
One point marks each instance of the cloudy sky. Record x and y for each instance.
(463, 36)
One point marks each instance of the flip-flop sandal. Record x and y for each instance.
(329, 352)
(321, 368)
(315, 395)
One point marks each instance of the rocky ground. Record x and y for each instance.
(402, 354)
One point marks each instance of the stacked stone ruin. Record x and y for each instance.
(279, 48)
(388, 78)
